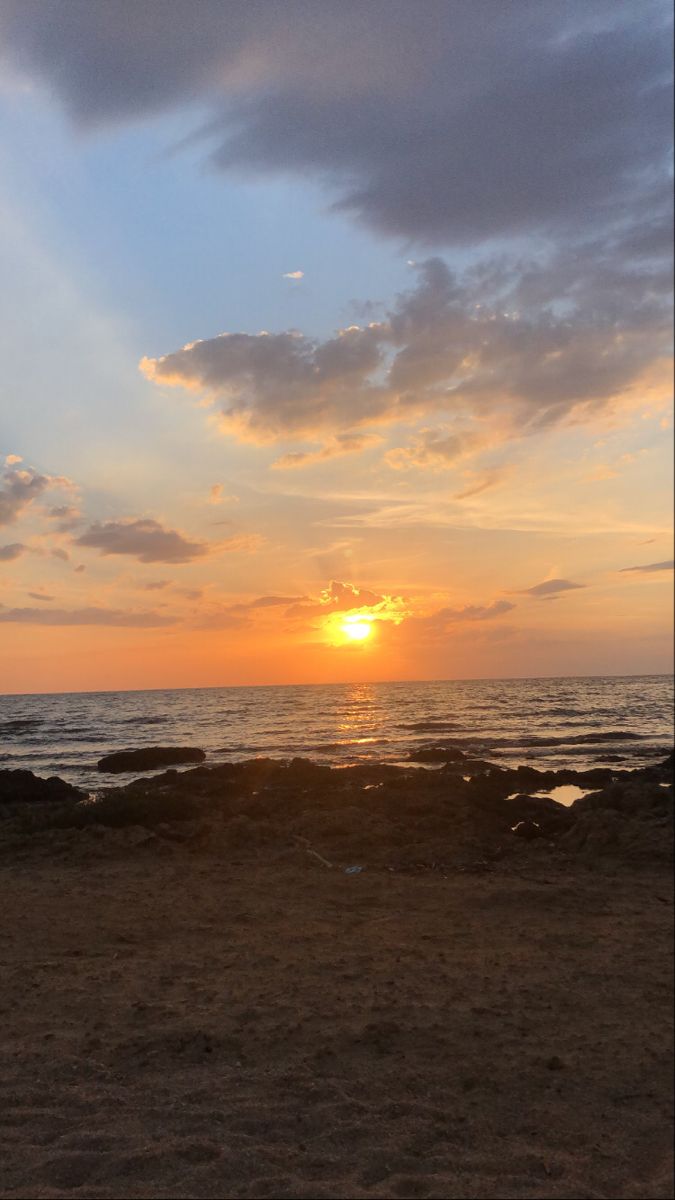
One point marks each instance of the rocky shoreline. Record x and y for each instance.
(459, 811)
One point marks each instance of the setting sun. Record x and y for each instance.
(357, 629)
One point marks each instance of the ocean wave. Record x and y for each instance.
(428, 726)
(19, 725)
(140, 721)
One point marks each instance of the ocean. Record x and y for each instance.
(611, 721)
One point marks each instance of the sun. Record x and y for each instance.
(356, 629)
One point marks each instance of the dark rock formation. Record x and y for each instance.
(149, 758)
(436, 754)
(24, 787)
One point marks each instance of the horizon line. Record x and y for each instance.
(218, 687)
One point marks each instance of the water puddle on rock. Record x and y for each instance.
(565, 794)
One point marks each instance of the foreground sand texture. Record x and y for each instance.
(177, 1026)
(199, 999)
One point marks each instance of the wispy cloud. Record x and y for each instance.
(341, 444)
(12, 551)
(83, 616)
(296, 275)
(551, 587)
(649, 567)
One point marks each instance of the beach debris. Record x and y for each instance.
(149, 758)
(309, 849)
(315, 854)
(355, 870)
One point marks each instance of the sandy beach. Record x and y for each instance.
(188, 1012)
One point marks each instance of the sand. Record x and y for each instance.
(179, 1024)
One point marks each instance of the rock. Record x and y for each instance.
(149, 758)
(434, 754)
(527, 830)
(555, 1063)
(25, 787)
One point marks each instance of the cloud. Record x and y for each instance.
(40, 596)
(659, 566)
(155, 585)
(341, 597)
(12, 459)
(216, 493)
(59, 552)
(550, 588)
(500, 354)
(472, 612)
(63, 511)
(13, 550)
(435, 449)
(248, 543)
(273, 601)
(83, 616)
(142, 538)
(482, 483)
(65, 516)
(293, 275)
(280, 384)
(428, 122)
(19, 489)
(341, 444)
(437, 626)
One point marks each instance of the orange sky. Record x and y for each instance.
(292, 340)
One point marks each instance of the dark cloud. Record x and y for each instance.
(447, 120)
(282, 383)
(83, 616)
(469, 349)
(19, 488)
(66, 517)
(274, 601)
(62, 511)
(155, 585)
(40, 596)
(11, 551)
(645, 570)
(472, 612)
(438, 625)
(144, 539)
(550, 588)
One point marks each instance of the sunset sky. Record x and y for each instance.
(336, 341)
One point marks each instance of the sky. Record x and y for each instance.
(336, 341)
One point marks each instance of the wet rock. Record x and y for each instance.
(437, 754)
(527, 830)
(149, 758)
(633, 797)
(23, 787)
(550, 816)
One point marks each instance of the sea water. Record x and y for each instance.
(622, 722)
